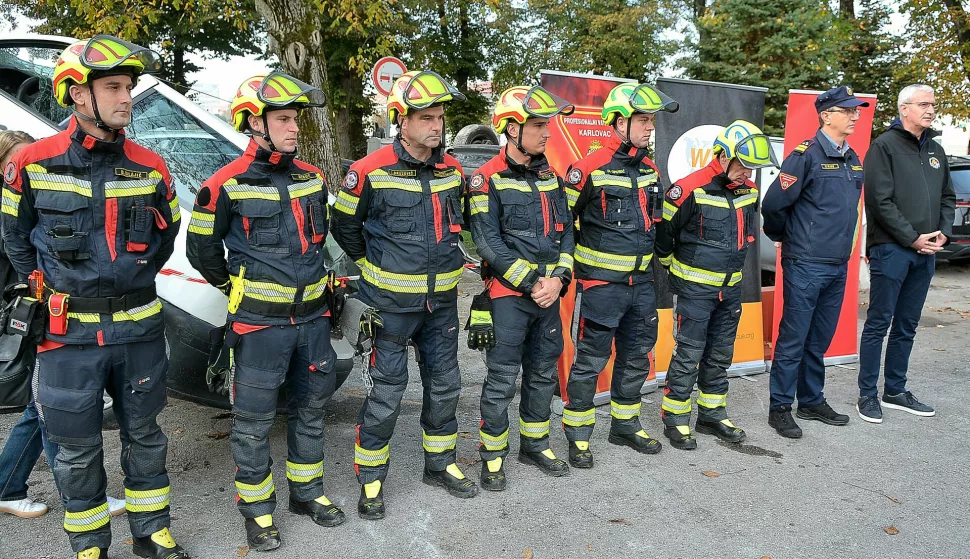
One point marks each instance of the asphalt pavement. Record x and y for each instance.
(894, 490)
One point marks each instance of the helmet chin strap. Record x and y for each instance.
(265, 134)
(518, 144)
(626, 144)
(97, 120)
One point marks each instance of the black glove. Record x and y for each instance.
(481, 331)
(217, 373)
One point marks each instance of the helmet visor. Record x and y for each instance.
(540, 103)
(280, 90)
(428, 88)
(646, 99)
(105, 52)
(754, 152)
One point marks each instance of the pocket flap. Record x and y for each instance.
(514, 197)
(401, 199)
(146, 380)
(72, 400)
(59, 201)
(259, 208)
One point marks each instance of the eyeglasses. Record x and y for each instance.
(846, 111)
(924, 105)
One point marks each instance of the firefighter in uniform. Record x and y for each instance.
(98, 215)
(710, 218)
(399, 216)
(524, 232)
(269, 210)
(615, 194)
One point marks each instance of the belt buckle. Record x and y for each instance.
(121, 302)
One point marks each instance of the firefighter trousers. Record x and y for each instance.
(527, 338)
(626, 314)
(69, 382)
(435, 337)
(264, 359)
(706, 330)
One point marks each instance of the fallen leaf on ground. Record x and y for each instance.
(242, 551)
(466, 462)
(621, 521)
(891, 530)
(129, 541)
(466, 435)
(893, 499)
(589, 547)
(710, 473)
(177, 431)
(939, 349)
(527, 553)
(218, 435)
(765, 557)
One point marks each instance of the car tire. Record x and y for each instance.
(476, 134)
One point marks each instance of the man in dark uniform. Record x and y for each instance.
(812, 208)
(523, 228)
(98, 215)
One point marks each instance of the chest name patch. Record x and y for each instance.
(831, 166)
(403, 173)
(129, 174)
(303, 177)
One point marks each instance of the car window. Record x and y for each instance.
(961, 181)
(192, 151)
(25, 75)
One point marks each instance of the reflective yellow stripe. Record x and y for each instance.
(11, 202)
(572, 196)
(676, 407)
(86, 317)
(489, 442)
(578, 418)
(648, 179)
(300, 189)
(87, 520)
(137, 313)
(446, 183)
(237, 191)
(202, 223)
(712, 400)
(408, 283)
(269, 292)
(517, 272)
(59, 183)
(380, 179)
(303, 473)
(364, 457)
(669, 210)
(667, 260)
(478, 203)
(146, 501)
(510, 184)
(606, 260)
(446, 281)
(708, 200)
(535, 430)
(624, 411)
(140, 187)
(599, 178)
(745, 200)
(173, 205)
(700, 275)
(547, 185)
(315, 290)
(439, 443)
(346, 203)
(258, 492)
(565, 261)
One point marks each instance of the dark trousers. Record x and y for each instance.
(435, 336)
(706, 330)
(527, 338)
(263, 360)
(813, 301)
(70, 383)
(626, 315)
(20, 453)
(899, 280)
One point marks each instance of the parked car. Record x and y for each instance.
(194, 144)
(958, 251)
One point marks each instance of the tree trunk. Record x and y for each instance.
(847, 9)
(700, 7)
(178, 69)
(961, 28)
(462, 72)
(350, 118)
(294, 38)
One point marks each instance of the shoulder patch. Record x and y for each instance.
(786, 180)
(800, 148)
(477, 183)
(351, 180)
(575, 176)
(10, 173)
(203, 197)
(675, 192)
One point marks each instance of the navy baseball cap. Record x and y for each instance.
(838, 97)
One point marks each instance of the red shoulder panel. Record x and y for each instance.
(214, 183)
(46, 148)
(148, 158)
(479, 180)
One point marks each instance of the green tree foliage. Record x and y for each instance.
(941, 38)
(210, 28)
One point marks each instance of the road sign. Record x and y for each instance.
(385, 72)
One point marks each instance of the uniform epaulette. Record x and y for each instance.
(800, 148)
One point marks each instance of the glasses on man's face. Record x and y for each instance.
(924, 106)
(846, 111)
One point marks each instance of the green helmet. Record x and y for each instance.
(629, 98)
(746, 142)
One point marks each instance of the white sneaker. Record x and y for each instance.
(116, 507)
(24, 508)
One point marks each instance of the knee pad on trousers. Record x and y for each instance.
(444, 390)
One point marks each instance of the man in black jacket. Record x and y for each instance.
(910, 210)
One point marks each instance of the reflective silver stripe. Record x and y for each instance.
(675, 406)
(669, 210)
(711, 400)
(478, 204)
(237, 191)
(647, 179)
(533, 430)
(400, 283)
(624, 411)
(745, 200)
(547, 185)
(445, 281)
(140, 187)
(303, 473)
(346, 203)
(300, 189)
(494, 443)
(707, 199)
(366, 457)
(58, 183)
(616, 262)
(314, 291)
(510, 184)
(600, 178)
(517, 272)
(572, 196)
(439, 443)
(579, 418)
(380, 179)
(202, 223)
(445, 183)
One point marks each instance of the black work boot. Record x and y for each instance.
(639, 441)
(262, 538)
(680, 437)
(371, 508)
(724, 430)
(545, 461)
(493, 481)
(93, 553)
(328, 515)
(580, 456)
(784, 424)
(822, 412)
(453, 480)
(160, 545)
